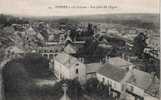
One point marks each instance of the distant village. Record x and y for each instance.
(124, 58)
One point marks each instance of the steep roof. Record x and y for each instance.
(117, 61)
(145, 81)
(140, 79)
(112, 72)
(66, 59)
(15, 49)
(70, 49)
(93, 67)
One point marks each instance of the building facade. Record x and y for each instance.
(68, 67)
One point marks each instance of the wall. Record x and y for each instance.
(82, 72)
(136, 90)
(148, 97)
(70, 73)
(115, 85)
(61, 71)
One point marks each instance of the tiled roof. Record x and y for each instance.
(66, 59)
(117, 61)
(93, 67)
(145, 81)
(140, 79)
(70, 49)
(16, 49)
(73, 48)
(112, 72)
(153, 89)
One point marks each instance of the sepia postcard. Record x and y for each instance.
(80, 50)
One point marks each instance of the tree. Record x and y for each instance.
(74, 90)
(90, 30)
(91, 85)
(139, 44)
(94, 87)
(36, 65)
(16, 81)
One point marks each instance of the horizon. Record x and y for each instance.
(14, 15)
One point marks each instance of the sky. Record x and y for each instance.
(48, 7)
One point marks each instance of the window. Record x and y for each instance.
(45, 51)
(51, 50)
(76, 71)
(39, 51)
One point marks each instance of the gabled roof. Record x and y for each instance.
(66, 59)
(15, 49)
(68, 39)
(112, 72)
(73, 48)
(117, 61)
(145, 81)
(93, 67)
(70, 49)
(140, 79)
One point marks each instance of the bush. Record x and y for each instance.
(74, 90)
(94, 87)
(36, 65)
(18, 74)
(91, 85)
(16, 80)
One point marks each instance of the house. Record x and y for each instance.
(113, 32)
(14, 52)
(153, 43)
(70, 49)
(153, 53)
(56, 37)
(74, 48)
(92, 68)
(69, 67)
(48, 51)
(9, 29)
(143, 86)
(120, 62)
(114, 77)
(102, 28)
(39, 36)
(30, 31)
